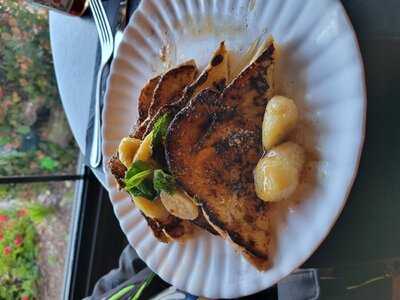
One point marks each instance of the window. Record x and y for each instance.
(37, 152)
(34, 134)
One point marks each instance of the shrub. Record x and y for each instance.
(19, 273)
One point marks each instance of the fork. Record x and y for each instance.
(121, 24)
(107, 46)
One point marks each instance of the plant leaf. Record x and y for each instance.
(136, 179)
(144, 189)
(160, 129)
(48, 164)
(38, 212)
(137, 167)
(163, 181)
(142, 287)
(121, 293)
(23, 129)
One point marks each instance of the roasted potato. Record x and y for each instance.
(145, 149)
(276, 176)
(127, 149)
(180, 205)
(280, 118)
(152, 209)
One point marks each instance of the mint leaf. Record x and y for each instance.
(135, 180)
(144, 189)
(137, 167)
(160, 129)
(163, 181)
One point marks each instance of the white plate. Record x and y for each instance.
(320, 68)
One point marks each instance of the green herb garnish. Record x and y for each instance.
(144, 189)
(160, 129)
(138, 180)
(163, 181)
(137, 167)
(135, 180)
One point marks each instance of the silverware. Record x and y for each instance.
(121, 24)
(107, 47)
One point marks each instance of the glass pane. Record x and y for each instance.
(34, 235)
(34, 134)
(35, 139)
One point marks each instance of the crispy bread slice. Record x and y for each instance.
(167, 90)
(213, 146)
(146, 97)
(172, 86)
(160, 91)
(214, 76)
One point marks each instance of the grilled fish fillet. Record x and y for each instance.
(213, 146)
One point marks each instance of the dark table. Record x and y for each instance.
(368, 227)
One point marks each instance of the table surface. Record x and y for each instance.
(367, 228)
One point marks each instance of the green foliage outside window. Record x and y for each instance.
(19, 273)
(34, 135)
